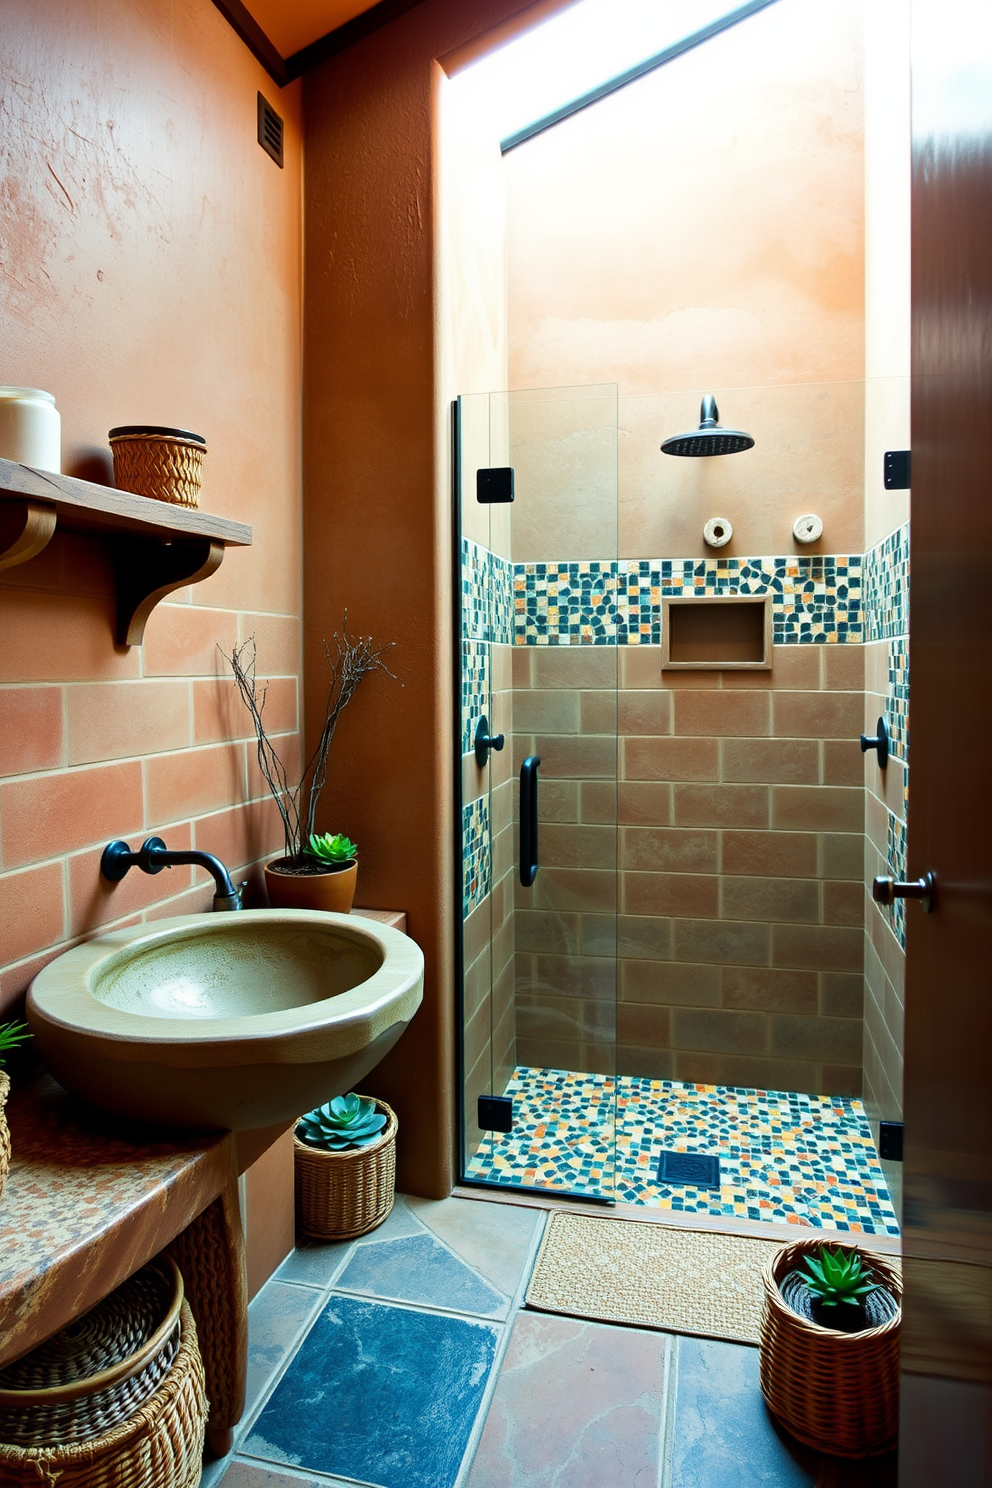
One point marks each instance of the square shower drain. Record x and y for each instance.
(689, 1167)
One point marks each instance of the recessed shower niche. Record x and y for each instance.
(717, 634)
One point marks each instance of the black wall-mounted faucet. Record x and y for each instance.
(153, 856)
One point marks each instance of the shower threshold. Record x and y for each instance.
(785, 1157)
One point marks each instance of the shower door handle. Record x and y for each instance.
(528, 820)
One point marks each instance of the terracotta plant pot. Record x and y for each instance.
(343, 1194)
(833, 1390)
(333, 889)
(4, 1131)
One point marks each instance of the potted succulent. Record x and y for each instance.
(345, 1160)
(313, 872)
(11, 1034)
(328, 885)
(829, 1364)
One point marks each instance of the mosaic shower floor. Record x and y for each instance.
(784, 1157)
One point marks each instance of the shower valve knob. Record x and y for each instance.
(484, 741)
(880, 743)
(888, 890)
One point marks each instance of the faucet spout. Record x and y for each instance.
(153, 856)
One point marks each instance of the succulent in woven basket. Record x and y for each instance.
(346, 1121)
(839, 1284)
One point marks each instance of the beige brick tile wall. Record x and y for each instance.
(739, 808)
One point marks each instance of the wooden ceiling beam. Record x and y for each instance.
(286, 69)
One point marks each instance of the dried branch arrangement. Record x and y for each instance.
(349, 659)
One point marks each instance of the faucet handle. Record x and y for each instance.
(149, 857)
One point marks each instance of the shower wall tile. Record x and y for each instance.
(896, 868)
(474, 585)
(739, 799)
(618, 602)
(486, 594)
(886, 586)
(476, 855)
(475, 686)
(565, 604)
(897, 711)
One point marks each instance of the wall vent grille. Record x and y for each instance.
(270, 130)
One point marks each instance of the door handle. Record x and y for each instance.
(528, 820)
(888, 890)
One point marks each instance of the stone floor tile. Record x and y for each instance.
(382, 1394)
(277, 1317)
(317, 1262)
(241, 1474)
(418, 1268)
(497, 1239)
(577, 1405)
(722, 1434)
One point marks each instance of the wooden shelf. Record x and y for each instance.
(156, 547)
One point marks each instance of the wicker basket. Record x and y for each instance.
(166, 464)
(159, 1446)
(98, 1370)
(343, 1194)
(837, 1392)
(4, 1130)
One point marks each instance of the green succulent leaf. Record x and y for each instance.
(12, 1034)
(345, 1121)
(838, 1277)
(333, 848)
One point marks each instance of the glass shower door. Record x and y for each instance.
(541, 616)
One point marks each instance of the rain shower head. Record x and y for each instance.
(709, 438)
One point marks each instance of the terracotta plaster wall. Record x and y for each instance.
(702, 229)
(389, 323)
(150, 269)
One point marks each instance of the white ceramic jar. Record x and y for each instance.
(30, 428)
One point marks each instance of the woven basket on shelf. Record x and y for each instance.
(159, 1446)
(837, 1392)
(165, 464)
(343, 1194)
(4, 1130)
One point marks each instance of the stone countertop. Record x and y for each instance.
(86, 1203)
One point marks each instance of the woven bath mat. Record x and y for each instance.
(627, 1271)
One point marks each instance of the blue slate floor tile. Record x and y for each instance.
(276, 1318)
(317, 1262)
(383, 1394)
(495, 1239)
(418, 1268)
(723, 1435)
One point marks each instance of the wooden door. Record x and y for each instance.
(947, 1350)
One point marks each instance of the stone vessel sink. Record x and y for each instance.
(228, 1021)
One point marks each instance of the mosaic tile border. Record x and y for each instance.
(565, 604)
(486, 594)
(814, 600)
(818, 600)
(898, 699)
(788, 1158)
(477, 868)
(475, 680)
(895, 858)
(886, 587)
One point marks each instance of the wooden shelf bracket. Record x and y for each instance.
(148, 570)
(156, 548)
(25, 528)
